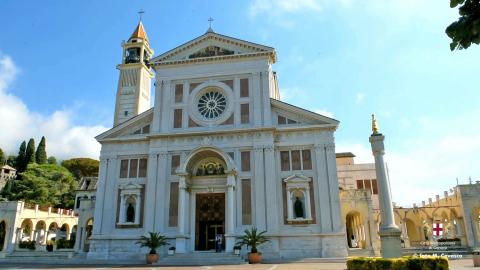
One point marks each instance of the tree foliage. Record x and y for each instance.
(466, 30)
(2, 157)
(52, 160)
(21, 163)
(41, 154)
(81, 167)
(30, 152)
(45, 184)
(12, 161)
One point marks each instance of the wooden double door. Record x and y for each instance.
(209, 220)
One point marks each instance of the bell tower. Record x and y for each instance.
(134, 84)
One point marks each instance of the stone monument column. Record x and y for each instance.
(230, 212)
(181, 241)
(389, 232)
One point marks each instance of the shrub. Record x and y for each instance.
(404, 263)
(63, 243)
(27, 244)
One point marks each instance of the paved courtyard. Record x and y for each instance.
(454, 265)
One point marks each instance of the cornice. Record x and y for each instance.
(215, 58)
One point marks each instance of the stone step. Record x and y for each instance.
(200, 259)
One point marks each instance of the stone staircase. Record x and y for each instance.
(360, 252)
(200, 259)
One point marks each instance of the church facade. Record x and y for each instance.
(218, 153)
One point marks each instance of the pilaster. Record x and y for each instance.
(271, 183)
(259, 189)
(323, 189)
(150, 193)
(101, 192)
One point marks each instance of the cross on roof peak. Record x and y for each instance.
(140, 13)
(210, 20)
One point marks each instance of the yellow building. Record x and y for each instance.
(453, 218)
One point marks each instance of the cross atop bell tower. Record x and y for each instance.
(134, 84)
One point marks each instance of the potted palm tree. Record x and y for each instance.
(252, 239)
(153, 241)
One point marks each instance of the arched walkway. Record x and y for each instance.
(88, 234)
(355, 230)
(26, 230)
(40, 232)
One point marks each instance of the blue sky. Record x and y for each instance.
(346, 58)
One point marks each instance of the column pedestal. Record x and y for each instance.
(181, 244)
(391, 244)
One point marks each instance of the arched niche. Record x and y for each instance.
(204, 155)
(298, 198)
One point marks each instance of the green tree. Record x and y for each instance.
(12, 161)
(21, 163)
(46, 184)
(41, 154)
(81, 167)
(466, 30)
(52, 160)
(30, 152)
(2, 157)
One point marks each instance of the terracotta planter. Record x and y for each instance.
(151, 258)
(254, 258)
(476, 259)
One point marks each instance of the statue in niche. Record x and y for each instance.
(130, 213)
(298, 207)
(210, 168)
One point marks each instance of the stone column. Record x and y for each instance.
(389, 232)
(230, 212)
(181, 241)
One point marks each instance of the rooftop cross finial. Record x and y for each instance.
(374, 125)
(210, 20)
(140, 13)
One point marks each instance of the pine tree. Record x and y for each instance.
(41, 154)
(21, 163)
(30, 152)
(2, 157)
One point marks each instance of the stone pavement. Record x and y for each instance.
(454, 265)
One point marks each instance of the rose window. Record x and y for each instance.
(212, 104)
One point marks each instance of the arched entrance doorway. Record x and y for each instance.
(3, 234)
(206, 196)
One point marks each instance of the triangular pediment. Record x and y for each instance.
(134, 128)
(213, 45)
(288, 115)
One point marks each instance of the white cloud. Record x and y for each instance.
(64, 139)
(280, 6)
(427, 163)
(279, 11)
(324, 112)
(359, 97)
